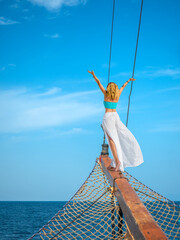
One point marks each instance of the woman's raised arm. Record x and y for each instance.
(125, 84)
(98, 82)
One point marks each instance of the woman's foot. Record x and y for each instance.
(110, 168)
(117, 167)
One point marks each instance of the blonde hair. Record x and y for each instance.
(112, 91)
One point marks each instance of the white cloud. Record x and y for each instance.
(172, 126)
(52, 36)
(30, 17)
(5, 21)
(5, 67)
(167, 128)
(57, 4)
(152, 94)
(153, 72)
(14, 5)
(23, 110)
(49, 133)
(164, 72)
(176, 88)
(12, 64)
(50, 92)
(75, 131)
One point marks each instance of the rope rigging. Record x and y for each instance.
(134, 61)
(111, 40)
(134, 56)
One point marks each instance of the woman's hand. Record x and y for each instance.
(125, 84)
(94, 76)
(92, 73)
(98, 82)
(132, 79)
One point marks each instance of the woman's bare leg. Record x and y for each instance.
(114, 152)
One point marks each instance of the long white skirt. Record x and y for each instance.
(128, 149)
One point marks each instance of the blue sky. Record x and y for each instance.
(51, 108)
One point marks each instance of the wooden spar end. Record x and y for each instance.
(140, 222)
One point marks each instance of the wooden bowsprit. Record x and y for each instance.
(140, 222)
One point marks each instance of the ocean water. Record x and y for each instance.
(20, 220)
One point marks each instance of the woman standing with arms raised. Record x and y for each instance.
(124, 147)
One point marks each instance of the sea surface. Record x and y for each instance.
(20, 220)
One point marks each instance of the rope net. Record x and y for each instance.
(164, 211)
(94, 213)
